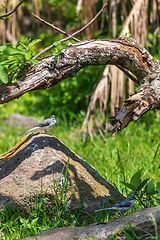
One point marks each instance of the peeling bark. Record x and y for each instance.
(125, 52)
(134, 108)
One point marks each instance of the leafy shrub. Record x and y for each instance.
(14, 57)
(144, 191)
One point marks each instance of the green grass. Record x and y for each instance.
(16, 223)
(119, 156)
(116, 157)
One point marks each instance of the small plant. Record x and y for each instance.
(13, 58)
(129, 232)
(60, 199)
(142, 190)
(127, 34)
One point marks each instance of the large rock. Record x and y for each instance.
(26, 169)
(144, 224)
(17, 119)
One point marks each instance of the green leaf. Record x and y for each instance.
(158, 188)
(13, 58)
(136, 179)
(13, 67)
(4, 11)
(21, 65)
(34, 221)
(150, 186)
(3, 74)
(12, 51)
(21, 46)
(35, 61)
(28, 55)
(58, 46)
(6, 62)
(143, 183)
(153, 192)
(24, 40)
(129, 185)
(11, 45)
(2, 48)
(33, 43)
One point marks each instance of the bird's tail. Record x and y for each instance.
(34, 128)
(103, 209)
(24, 132)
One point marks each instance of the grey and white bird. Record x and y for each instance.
(122, 206)
(44, 125)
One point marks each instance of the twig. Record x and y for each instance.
(9, 13)
(71, 36)
(54, 27)
(43, 51)
(89, 23)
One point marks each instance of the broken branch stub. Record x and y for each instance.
(134, 108)
(124, 52)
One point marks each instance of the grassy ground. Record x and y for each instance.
(116, 157)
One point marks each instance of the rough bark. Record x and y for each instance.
(125, 52)
(145, 224)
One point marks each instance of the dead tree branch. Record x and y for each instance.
(125, 52)
(75, 33)
(90, 22)
(11, 12)
(54, 27)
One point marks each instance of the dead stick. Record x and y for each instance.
(71, 36)
(87, 25)
(9, 13)
(54, 27)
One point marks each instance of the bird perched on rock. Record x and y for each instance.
(122, 206)
(44, 125)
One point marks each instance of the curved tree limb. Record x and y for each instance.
(125, 52)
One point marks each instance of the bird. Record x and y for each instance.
(46, 124)
(122, 206)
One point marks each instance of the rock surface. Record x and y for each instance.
(141, 221)
(28, 166)
(17, 119)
